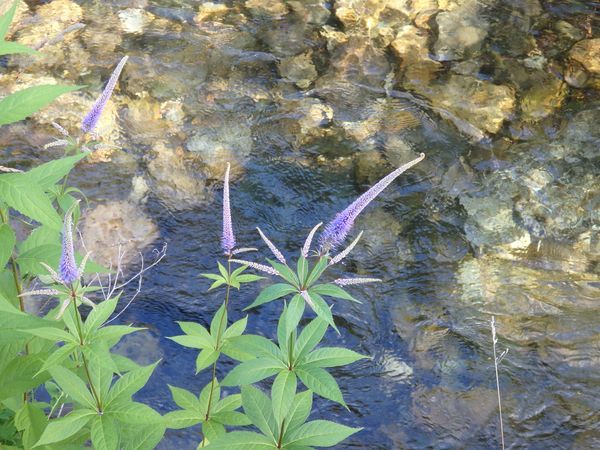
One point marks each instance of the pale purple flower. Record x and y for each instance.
(93, 116)
(336, 231)
(337, 258)
(67, 267)
(351, 281)
(309, 238)
(257, 266)
(272, 247)
(228, 239)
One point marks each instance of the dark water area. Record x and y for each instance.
(312, 102)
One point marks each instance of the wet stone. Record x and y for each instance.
(587, 53)
(299, 69)
(460, 32)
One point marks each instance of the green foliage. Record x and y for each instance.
(91, 388)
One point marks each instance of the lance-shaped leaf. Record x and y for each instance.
(271, 293)
(253, 371)
(60, 429)
(257, 407)
(322, 383)
(319, 433)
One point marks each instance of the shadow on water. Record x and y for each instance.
(313, 104)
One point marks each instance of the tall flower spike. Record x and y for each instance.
(336, 231)
(93, 116)
(351, 281)
(67, 267)
(337, 258)
(261, 267)
(309, 238)
(272, 247)
(228, 239)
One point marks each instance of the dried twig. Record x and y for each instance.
(497, 361)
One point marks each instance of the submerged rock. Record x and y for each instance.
(543, 98)
(299, 69)
(217, 145)
(273, 9)
(178, 181)
(587, 53)
(114, 227)
(461, 31)
(480, 104)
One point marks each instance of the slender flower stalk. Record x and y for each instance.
(352, 281)
(336, 231)
(93, 116)
(67, 268)
(337, 258)
(309, 238)
(272, 247)
(260, 267)
(228, 239)
(237, 251)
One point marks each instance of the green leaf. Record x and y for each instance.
(6, 19)
(252, 371)
(331, 290)
(24, 103)
(48, 174)
(317, 271)
(134, 413)
(182, 418)
(331, 357)
(206, 358)
(294, 313)
(73, 386)
(7, 243)
(27, 197)
(257, 407)
(104, 433)
(58, 356)
(321, 307)
(130, 383)
(231, 418)
(184, 398)
(320, 433)
(193, 341)
(310, 336)
(248, 278)
(302, 267)
(255, 346)
(65, 427)
(236, 329)
(40, 236)
(29, 261)
(223, 271)
(100, 314)
(195, 329)
(212, 430)
(321, 382)
(299, 410)
(53, 334)
(13, 48)
(229, 403)
(282, 393)
(113, 333)
(286, 273)
(271, 293)
(242, 440)
(219, 323)
(142, 437)
(205, 395)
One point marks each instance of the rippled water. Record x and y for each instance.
(496, 221)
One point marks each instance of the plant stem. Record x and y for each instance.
(83, 358)
(218, 344)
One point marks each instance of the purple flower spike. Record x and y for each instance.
(336, 231)
(67, 267)
(228, 239)
(93, 116)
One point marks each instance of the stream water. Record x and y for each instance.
(312, 102)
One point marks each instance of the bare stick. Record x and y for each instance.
(497, 360)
